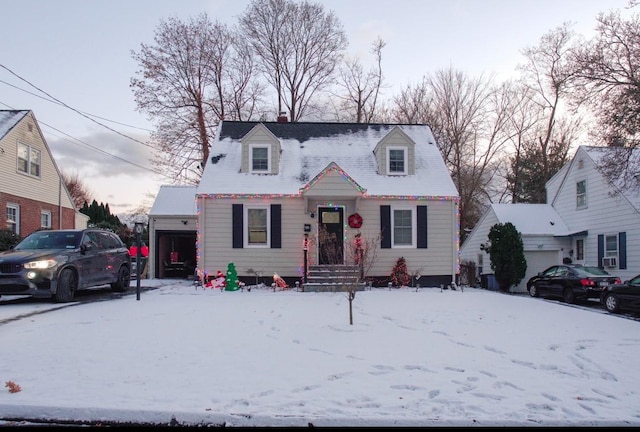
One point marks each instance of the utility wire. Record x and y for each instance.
(92, 147)
(86, 115)
(73, 109)
(84, 112)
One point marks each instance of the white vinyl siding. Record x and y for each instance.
(46, 187)
(216, 251)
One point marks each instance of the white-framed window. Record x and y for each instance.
(260, 155)
(611, 245)
(29, 160)
(581, 194)
(45, 219)
(13, 218)
(396, 160)
(402, 223)
(257, 220)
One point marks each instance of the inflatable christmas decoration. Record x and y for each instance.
(232, 278)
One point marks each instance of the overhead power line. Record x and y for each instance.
(52, 99)
(73, 109)
(84, 112)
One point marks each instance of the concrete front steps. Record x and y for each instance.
(332, 278)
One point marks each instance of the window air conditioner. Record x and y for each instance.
(609, 262)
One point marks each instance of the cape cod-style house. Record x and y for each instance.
(277, 197)
(587, 220)
(33, 195)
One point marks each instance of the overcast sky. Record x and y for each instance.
(79, 52)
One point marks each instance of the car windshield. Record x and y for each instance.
(590, 271)
(50, 240)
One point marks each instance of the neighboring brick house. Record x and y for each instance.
(32, 193)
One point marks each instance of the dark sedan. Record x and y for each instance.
(571, 282)
(622, 297)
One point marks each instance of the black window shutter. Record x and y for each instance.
(276, 226)
(422, 227)
(237, 226)
(600, 249)
(385, 227)
(622, 250)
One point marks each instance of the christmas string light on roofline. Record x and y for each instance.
(299, 195)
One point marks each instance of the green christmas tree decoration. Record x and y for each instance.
(232, 278)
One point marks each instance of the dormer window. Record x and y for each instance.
(260, 158)
(396, 161)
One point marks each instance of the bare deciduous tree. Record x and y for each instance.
(299, 46)
(468, 117)
(360, 90)
(362, 252)
(547, 76)
(79, 191)
(608, 80)
(414, 104)
(195, 75)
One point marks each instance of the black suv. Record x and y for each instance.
(57, 263)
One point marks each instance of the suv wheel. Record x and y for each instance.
(611, 303)
(123, 281)
(67, 284)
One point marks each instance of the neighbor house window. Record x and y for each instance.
(581, 194)
(260, 157)
(580, 249)
(396, 160)
(402, 220)
(257, 226)
(29, 160)
(45, 219)
(13, 218)
(611, 246)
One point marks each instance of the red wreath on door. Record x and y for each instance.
(355, 220)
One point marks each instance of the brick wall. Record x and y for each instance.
(30, 214)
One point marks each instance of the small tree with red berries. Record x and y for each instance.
(400, 275)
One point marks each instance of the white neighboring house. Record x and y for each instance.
(596, 223)
(173, 232)
(545, 238)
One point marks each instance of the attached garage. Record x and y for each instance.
(173, 233)
(537, 261)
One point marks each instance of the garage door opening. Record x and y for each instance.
(176, 254)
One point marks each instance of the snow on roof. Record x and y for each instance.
(531, 219)
(308, 148)
(174, 201)
(9, 118)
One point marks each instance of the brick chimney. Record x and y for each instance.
(282, 118)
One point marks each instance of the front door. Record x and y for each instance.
(330, 235)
